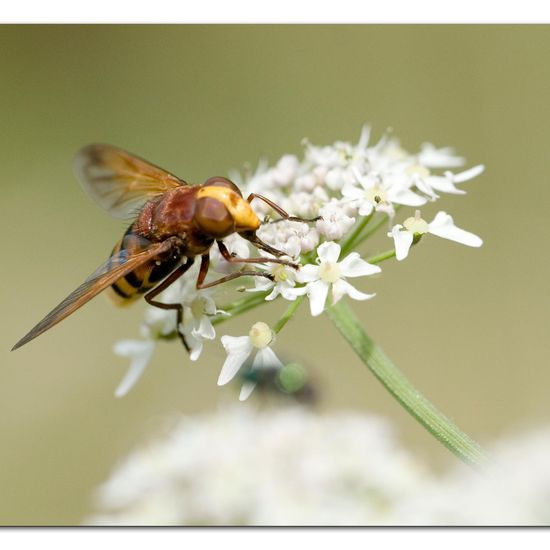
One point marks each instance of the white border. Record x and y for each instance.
(268, 539)
(276, 11)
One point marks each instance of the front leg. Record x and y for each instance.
(205, 263)
(176, 274)
(261, 260)
(283, 213)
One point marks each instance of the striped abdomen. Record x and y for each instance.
(128, 288)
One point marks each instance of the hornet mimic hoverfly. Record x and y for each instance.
(175, 222)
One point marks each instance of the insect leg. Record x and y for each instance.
(283, 213)
(205, 262)
(234, 259)
(176, 274)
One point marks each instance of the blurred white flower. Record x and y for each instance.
(442, 226)
(444, 157)
(514, 489)
(330, 273)
(293, 466)
(244, 466)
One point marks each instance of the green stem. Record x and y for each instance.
(373, 229)
(381, 257)
(349, 243)
(288, 314)
(242, 306)
(406, 394)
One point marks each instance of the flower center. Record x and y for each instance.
(198, 307)
(419, 170)
(329, 272)
(415, 224)
(376, 195)
(280, 274)
(260, 335)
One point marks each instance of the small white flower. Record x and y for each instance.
(286, 170)
(140, 353)
(334, 222)
(293, 238)
(239, 349)
(331, 273)
(237, 246)
(284, 279)
(446, 183)
(378, 192)
(442, 226)
(305, 204)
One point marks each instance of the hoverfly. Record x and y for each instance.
(174, 223)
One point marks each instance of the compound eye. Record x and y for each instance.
(213, 218)
(220, 181)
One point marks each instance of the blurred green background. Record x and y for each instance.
(468, 326)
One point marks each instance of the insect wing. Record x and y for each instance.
(115, 267)
(121, 182)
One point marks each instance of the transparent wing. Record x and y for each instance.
(120, 182)
(113, 269)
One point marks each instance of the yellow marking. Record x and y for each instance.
(118, 300)
(244, 217)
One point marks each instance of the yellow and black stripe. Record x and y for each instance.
(128, 289)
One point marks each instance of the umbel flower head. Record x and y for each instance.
(298, 467)
(348, 191)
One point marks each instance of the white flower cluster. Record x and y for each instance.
(242, 466)
(343, 186)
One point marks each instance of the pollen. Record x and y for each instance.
(329, 272)
(260, 335)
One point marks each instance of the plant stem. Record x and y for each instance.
(242, 306)
(349, 243)
(288, 314)
(373, 229)
(381, 257)
(406, 394)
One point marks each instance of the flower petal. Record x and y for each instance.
(352, 192)
(266, 358)
(238, 349)
(443, 226)
(317, 293)
(205, 328)
(329, 252)
(468, 174)
(308, 273)
(402, 241)
(406, 197)
(246, 389)
(341, 287)
(445, 184)
(140, 352)
(354, 266)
